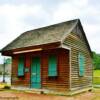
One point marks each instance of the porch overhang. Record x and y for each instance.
(31, 49)
(35, 48)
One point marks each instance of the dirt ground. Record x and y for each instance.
(18, 95)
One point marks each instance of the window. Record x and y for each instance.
(52, 70)
(21, 66)
(81, 64)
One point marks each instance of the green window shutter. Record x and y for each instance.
(81, 65)
(21, 66)
(52, 70)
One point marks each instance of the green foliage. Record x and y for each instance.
(96, 60)
(8, 61)
(0, 72)
(6, 73)
(7, 87)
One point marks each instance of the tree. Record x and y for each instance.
(96, 60)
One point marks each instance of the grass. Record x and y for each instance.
(96, 73)
(96, 77)
(4, 86)
(96, 80)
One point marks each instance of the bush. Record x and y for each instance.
(6, 87)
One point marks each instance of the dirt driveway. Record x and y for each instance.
(17, 95)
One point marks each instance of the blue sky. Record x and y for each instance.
(17, 16)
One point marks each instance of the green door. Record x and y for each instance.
(35, 73)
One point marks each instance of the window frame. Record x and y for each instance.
(81, 67)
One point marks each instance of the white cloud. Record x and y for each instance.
(11, 20)
(15, 19)
(65, 11)
(72, 9)
(13, 14)
(92, 33)
(92, 29)
(69, 9)
(79, 3)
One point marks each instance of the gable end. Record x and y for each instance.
(80, 34)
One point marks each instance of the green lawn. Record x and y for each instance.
(96, 77)
(96, 73)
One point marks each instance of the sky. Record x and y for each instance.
(18, 16)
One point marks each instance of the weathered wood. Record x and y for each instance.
(61, 82)
(65, 40)
(77, 45)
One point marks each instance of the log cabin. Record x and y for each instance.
(53, 59)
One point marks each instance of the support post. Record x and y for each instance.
(4, 71)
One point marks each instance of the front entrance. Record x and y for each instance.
(35, 73)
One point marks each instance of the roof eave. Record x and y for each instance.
(79, 22)
(31, 48)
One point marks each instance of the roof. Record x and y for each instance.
(44, 35)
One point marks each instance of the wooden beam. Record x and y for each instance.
(65, 47)
(26, 51)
